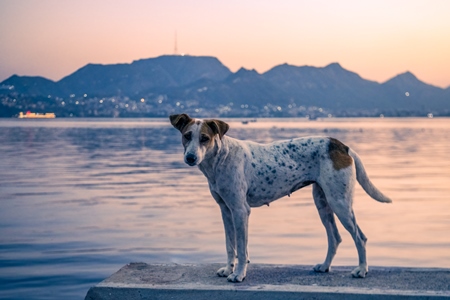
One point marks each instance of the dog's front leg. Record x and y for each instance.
(240, 219)
(230, 237)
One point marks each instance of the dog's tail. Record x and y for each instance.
(364, 180)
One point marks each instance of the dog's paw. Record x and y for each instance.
(360, 271)
(321, 268)
(236, 277)
(224, 272)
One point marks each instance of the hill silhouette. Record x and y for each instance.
(205, 81)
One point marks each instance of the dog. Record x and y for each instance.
(244, 174)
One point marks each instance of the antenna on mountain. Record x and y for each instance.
(175, 50)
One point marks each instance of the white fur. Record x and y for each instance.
(244, 174)
(194, 147)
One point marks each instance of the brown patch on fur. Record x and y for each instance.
(339, 154)
(209, 128)
(217, 127)
(206, 130)
(181, 121)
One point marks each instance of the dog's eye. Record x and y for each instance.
(204, 139)
(188, 136)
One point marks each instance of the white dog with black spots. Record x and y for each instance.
(244, 174)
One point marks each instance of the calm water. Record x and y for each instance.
(81, 198)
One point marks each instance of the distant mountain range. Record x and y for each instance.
(205, 81)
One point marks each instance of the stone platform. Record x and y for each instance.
(199, 281)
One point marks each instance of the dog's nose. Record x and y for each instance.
(191, 158)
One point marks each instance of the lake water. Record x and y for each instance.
(81, 198)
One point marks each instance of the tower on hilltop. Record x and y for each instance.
(175, 50)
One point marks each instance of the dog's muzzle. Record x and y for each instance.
(190, 159)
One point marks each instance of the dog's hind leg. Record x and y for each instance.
(327, 217)
(342, 207)
(349, 222)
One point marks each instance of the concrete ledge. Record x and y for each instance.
(174, 281)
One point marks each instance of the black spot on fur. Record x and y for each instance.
(253, 165)
(274, 171)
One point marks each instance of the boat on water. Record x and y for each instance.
(31, 115)
(246, 121)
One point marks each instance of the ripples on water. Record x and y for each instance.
(81, 198)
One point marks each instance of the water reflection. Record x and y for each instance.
(81, 199)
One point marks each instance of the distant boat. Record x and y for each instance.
(247, 121)
(30, 115)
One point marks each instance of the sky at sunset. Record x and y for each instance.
(376, 39)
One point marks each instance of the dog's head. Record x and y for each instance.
(198, 136)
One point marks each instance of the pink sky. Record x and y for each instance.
(376, 39)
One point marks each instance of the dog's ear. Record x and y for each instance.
(180, 121)
(218, 127)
